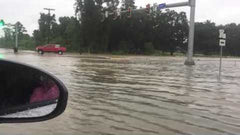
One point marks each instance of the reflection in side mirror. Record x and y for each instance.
(29, 93)
(35, 99)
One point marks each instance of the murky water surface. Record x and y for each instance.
(129, 95)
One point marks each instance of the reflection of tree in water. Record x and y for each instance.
(189, 78)
(97, 78)
(94, 84)
(200, 92)
(103, 71)
(104, 76)
(188, 83)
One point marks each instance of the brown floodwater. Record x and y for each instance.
(130, 95)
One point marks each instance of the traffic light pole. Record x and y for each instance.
(15, 48)
(180, 4)
(16, 44)
(190, 60)
(220, 66)
(192, 4)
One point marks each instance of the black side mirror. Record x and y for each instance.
(29, 94)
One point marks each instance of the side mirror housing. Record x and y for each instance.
(29, 94)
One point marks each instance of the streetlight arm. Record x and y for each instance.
(181, 4)
(49, 9)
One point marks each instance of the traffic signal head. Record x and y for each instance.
(148, 8)
(2, 23)
(129, 13)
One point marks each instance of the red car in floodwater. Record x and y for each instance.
(51, 48)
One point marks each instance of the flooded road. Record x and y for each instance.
(138, 96)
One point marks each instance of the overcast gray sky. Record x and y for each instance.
(27, 11)
(219, 11)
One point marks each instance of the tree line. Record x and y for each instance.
(140, 32)
(8, 39)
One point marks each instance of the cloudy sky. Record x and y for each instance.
(28, 11)
(219, 11)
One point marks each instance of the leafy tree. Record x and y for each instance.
(8, 33)
(233, 32)
(68, 31)
(21, 30)
(7, 41)
(126, 4)
(90, 18)
(140, 33)
(206, 38)
(46, 25)
(170, 30)
(25, 41)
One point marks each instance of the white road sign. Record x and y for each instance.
(155, 7)
(222, 34)
(222, 42)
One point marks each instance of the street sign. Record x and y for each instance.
(155, 7)
(222, 34)
(221, 31)
(222, 42)
(161, 6)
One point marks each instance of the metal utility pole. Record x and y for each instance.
(190, 61)
(220, 65)
(16, 32)
(222, 43)
(15, 48)
(192, 4)
(49, 21)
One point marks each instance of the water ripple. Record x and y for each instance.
(141, 95)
